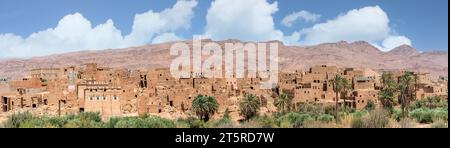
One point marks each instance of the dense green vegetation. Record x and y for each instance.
(429, 110)
(85, 120)
(432, 112)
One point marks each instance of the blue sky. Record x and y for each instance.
(421, 23)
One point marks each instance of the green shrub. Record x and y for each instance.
(370, 105)
(90, 116)
(112, 122)
(360, 113)
(440, 114)
(32, 124)
(329, 110)
(57, 122)
(27, 124)
(15, 120)
(192, 122)
(221, 123)
(40, 122)
(70, 117)
(130, 123)
(158, 122)
(285, 124)
(267, 121)
(397, 114)
(86, 120)
(429, 110)
(296, 119)
(422, 115)
(326, 118)
(74, 123)
(149, 122)
(430, 103)
(312, 109)
(89, 119)
(98, 125)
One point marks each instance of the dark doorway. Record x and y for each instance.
(4, 104)
(81, 110)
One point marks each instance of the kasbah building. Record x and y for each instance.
(122, 92)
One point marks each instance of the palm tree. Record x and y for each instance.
(249, 106)
(204, 107)
(283, 103)
(406, 87)
(388, 91)
(338, 86)
(346, 88)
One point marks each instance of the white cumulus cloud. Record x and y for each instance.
(301, 15)
(394, 41)
(166, 37)
(248, 20)
(147, 25)
(369, 24)
(75, 32)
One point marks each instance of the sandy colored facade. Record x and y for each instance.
(122, 92)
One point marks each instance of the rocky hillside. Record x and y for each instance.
(342, 54)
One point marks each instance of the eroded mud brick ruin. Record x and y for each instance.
(123, 92)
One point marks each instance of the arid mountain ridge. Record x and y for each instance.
(359, 54)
